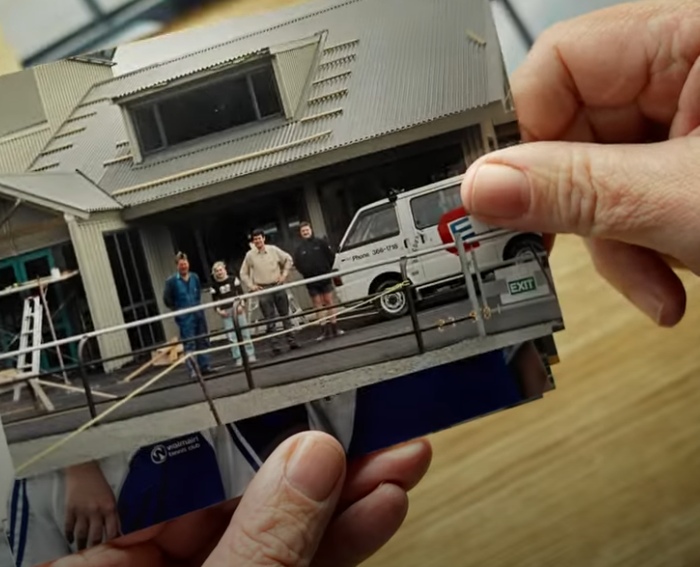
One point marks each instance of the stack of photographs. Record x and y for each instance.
(228, 235)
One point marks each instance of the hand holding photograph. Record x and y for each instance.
(215, 239)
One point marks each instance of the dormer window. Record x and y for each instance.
(235, 99)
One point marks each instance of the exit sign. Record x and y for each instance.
(522, 285)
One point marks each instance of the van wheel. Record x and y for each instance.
(523, 247)
(394, 304)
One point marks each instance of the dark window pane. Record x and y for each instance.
(134, 286)
(130, 274)
(207, 110)
(266, 92)
(373, 225)
(141, 312)
(141, 265)
(428, 209)
(156, 328)
(37, 268)
(243, 107)
(119, 279)
(134, 338)
(147, 129)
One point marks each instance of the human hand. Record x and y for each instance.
(592, 94)
(91, 509)
(304, 507)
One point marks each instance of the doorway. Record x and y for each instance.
(225, 234)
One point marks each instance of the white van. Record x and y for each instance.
(391, 228)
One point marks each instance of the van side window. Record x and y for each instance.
(372, 225)
(428, 209)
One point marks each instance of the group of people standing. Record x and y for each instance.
(265, 267)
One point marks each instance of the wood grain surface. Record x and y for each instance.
(604, 472)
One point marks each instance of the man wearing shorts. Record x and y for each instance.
(314, 257)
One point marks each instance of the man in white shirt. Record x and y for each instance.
(266, 266)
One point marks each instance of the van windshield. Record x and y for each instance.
(372, 225)
(428, 209)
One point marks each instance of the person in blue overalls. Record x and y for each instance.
(182, 290)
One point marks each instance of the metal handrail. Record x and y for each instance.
(417, 331)
(283, 287)
(152, 348)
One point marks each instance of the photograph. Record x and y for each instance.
(62, 512)
(221, 222)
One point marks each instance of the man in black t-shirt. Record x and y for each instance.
(228, 287)
(314, 257)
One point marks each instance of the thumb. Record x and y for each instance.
(284, 513)
(646, 195)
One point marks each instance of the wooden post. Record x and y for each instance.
(53, 330)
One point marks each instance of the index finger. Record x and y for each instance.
(609, 76)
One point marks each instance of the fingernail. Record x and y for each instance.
(649, 304)
(315, 468)
(407, 450)
(499, 191)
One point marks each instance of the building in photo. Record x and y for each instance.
(305, 114)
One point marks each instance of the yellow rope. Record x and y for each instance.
(50, 449)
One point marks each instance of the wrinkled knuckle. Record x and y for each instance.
(577, 196)
(595, 200)
(279, 539)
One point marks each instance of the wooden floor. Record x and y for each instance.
(604, 472)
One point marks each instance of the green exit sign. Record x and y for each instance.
(522, 285)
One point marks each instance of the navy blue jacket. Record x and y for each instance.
(181, 294)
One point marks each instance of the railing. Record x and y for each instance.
(471, 274)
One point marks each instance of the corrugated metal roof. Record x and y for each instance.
(17, 154)
(161, 76)
(71, 190)
(386, 66)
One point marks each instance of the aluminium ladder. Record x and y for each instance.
(30, 336)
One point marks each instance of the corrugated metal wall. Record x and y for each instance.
(75, 79)
(30, 229)
(159, 251)
(294, 68)
(17, 154)
(98, 281)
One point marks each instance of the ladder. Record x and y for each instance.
(30, 336)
